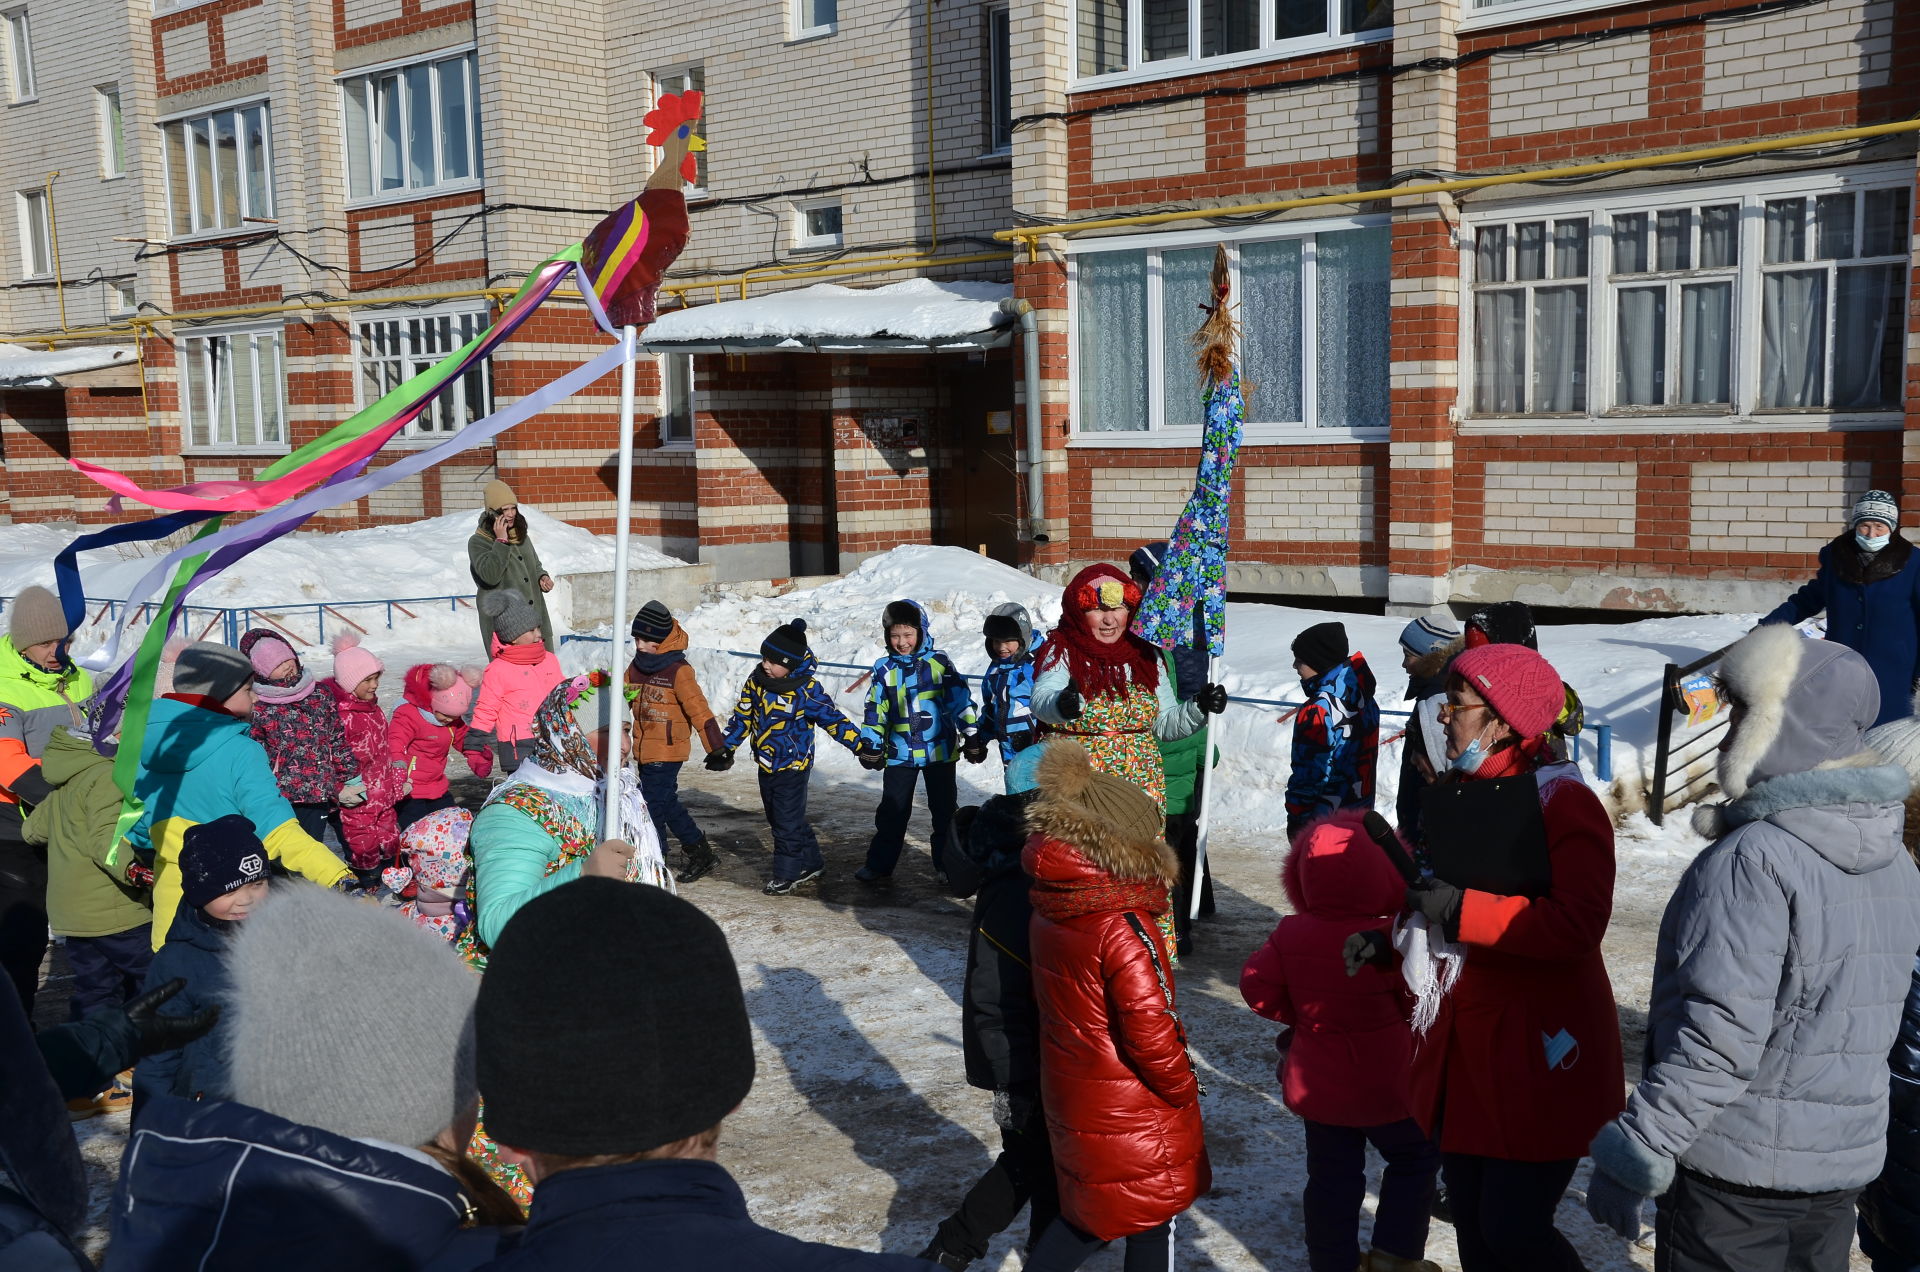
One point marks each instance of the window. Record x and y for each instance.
(36, 235)
(393, 350)
(1314, 314)
(1776, 296)
(20, 83)
(413, 127)
(817, 225)
(1497, 12)
(814, 17)
(113, 143)
(121, 299)
(232, 394)
(689, 79)
(219, 169)
(999, 86)
(1164, 37)
(676, 399)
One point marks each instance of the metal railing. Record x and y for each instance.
(1685, 755)
(201, 622)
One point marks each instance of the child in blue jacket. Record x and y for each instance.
(918, 708)
(779, 707)
(1006, 691)
(1336, 736)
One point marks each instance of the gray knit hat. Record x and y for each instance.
(513, 615)
(211, 670)
(313, 1041)
(35, 617)
(1875, 505)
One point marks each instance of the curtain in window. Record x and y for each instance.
(1499, 352)
(1866, 327)
(1640, 363)
(1355, 277)
(1559, 349)
(1112, 322)
(1185, 286)
(1792, 335)
(1270, 326)
(1706, 343)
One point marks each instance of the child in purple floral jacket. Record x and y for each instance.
(297, 724)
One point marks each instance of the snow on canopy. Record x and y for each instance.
(915, 309)
(20, 365)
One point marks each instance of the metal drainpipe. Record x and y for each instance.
(1030, 367)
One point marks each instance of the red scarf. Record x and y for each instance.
(1100, 670)
(521, 655)
(201, 700)
(1102, 895)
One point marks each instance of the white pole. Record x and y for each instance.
(617, 658)
(1203, 822)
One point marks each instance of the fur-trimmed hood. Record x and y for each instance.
(1801, 705)
(1112, 825)
(1426, 675)
(1847, 811)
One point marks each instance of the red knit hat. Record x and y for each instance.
(1522, 687)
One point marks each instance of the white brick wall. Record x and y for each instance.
(1331, 505)
(185, 49)
(1604, 83)
(1138, 503)
(1138, 145)
(1306, 125)
(365, 12)
(248, 33)
(1839, 47)
(1560, 505)
(1777, 507)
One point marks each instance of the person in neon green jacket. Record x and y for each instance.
(198, 762)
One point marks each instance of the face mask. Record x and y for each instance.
(1872, 545)
(1470, 759)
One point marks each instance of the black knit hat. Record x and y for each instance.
(218, 857)
(1503, 623)
(1322, 646)
(653, 622)
(788, 644)
(601, 985)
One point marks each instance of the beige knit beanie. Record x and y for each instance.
(35, 617)
(500, 495)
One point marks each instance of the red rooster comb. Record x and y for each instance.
(676, 112)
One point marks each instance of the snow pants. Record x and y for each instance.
(1021, 1177)
(796, 849)
(108, 970)
(1337, 1188)
(1701, 1225)
(1503, 1214)
(23, 907)
(660, 783)
(896, 809)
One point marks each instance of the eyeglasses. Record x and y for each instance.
(1448, 710)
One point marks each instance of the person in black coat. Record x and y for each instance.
(1000, 1024)
(1890, 1208)
(1427, 645)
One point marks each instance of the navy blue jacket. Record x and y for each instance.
(1890, 1208)
(1872, 602)
(196, 951)
(670, 1215)
(215, 1185)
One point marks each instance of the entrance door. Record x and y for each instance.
(984, 483)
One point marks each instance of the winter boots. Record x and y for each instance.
(701, 859)
(1381, 1261)
(941, 1257)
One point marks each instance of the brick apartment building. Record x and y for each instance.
(1650, 385)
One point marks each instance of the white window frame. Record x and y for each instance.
(800, 27)
(376, 195)
(22, 85)
(110, 110)
(806, 240)
(469, 320)
(1743, 414)
(1517, 11)
(197, 345)
(185, 121)
(681, 79)
(675, 428)
(997, 70)
(1159, 435)
(1269, 49)
(36, 232)
(123, 298)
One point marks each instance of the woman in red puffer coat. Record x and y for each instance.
(1122, 1101)
(1345, 1055)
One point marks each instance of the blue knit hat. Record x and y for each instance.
(218, 857)
(1424, 635)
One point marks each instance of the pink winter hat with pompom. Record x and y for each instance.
(353, 662)
(452, 690)
(1522, 687)
(267, 653)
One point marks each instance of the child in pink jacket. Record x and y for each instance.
(516, 682)
(427, 727)
(371, 833)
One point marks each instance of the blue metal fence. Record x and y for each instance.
(225, 624)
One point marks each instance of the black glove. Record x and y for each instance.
(975, 750)
(1367, 949)
(1070, 704)
(159, 1033)
(1211, 699)
(1440, 902)
(720, 761)
(871, 758)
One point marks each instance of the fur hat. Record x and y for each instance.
(211, 671)
(1802, 704)
(218, 857)
(452, 690)
(267, 653)
(513, 615)
(1113, 823)
(306, 1042)
(788, 644)
(653, 622)
(1875, 505)
(905, 613)
(35, 617)
(1322, 647)
(602, 986)
(1522, 687)
(353, 662)
(500, 495)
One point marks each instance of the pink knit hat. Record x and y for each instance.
(267, 653)
(353, 663)
(1522, 687)
(452, 690)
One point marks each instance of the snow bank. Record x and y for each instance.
(916, 309)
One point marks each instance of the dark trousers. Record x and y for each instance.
(896, 808)
(1883, 1256)
(1064, 1247)
(660, 783)
(1700, 1228)
(23, 907)
(107, 970)
(316, 820)
(1020, 1177)
(511, 755)
(1337, 1187)
(1503, 1214)
(411, 810)
(1183, 836)
(796, 850)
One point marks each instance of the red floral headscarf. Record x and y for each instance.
(1098, 669)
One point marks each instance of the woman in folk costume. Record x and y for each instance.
(1102, 686)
